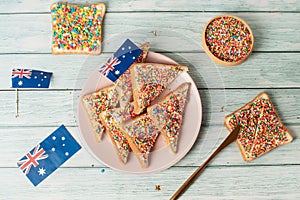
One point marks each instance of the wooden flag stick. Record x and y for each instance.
(17, 103)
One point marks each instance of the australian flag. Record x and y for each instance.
(47, 156)
(120, 60)
(27, 78)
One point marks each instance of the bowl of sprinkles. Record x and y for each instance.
(228, 40)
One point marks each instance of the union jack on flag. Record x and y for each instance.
(32, 159)
(120, 61)
(21, 72)
(47, 156)
(109, 65)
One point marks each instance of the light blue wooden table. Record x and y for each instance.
(274, 67)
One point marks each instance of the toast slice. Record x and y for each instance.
(98, 102)
(77, 29)
(116, 135)
(124, 84)
(168, 113)
(113, 119)
(149, 80)
(262, 129)
(141, 134)
(145, 48)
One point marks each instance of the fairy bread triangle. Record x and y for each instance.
(141, 134)
(168, 113)
(96, 103)
(149, 80)
(113, 119)
(116, 134)
(124, 84)
(262, 129)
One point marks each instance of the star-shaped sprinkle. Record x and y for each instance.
(157, 188)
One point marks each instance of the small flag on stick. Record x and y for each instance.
(27, 78)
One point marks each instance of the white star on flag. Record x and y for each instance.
(42, 171)
(117, 72)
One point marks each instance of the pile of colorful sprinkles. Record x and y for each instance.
(76, 27)
(228, 39)
(262, 129)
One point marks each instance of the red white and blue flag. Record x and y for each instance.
(27, 78)
(120, 61)
(47, 156)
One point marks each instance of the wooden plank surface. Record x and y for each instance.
(46, 111)
(23, 138)
(214, 183)
(36, 6)
(262, 70)
(277, 34)
(174, 29)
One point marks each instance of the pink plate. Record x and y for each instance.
(160, 157)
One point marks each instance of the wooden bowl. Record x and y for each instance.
(228, 40)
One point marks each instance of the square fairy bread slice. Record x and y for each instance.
(262, 129)
(77, 29)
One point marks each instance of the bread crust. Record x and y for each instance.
(245, 154)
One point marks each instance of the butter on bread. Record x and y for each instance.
(167, 114)
(77, 29)
(262, 129)
(149, 80)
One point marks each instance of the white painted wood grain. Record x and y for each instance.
(262, 182)
(51, 108)
(156, 5)
(261, 70)
(23, 139)
(272, 31)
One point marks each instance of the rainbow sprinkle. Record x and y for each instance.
(228, 39)
(150, 81)
(168, 114)
(77, 28)
(262, 129)
(143, 133)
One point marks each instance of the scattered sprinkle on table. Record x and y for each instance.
(157, 188)
(228, 39)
